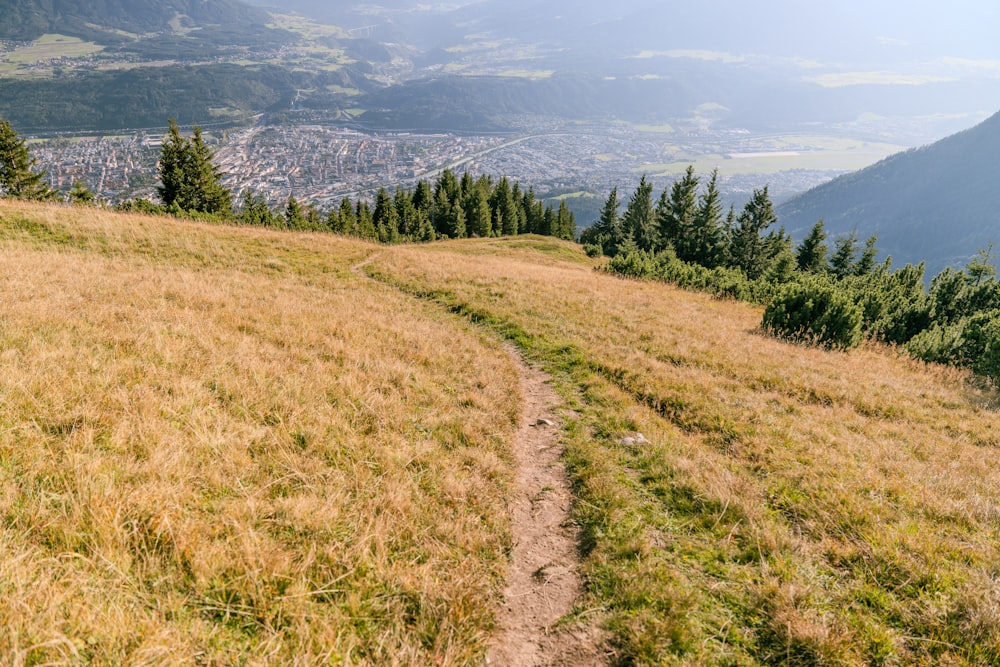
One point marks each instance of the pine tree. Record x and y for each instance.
(639, 219)
(520, 211)
(189, 180)
(866, 263)
(449, 217)
(478, 216)
(565, 223)
(811, 253)
(17, 176)
(532, 212)
(81, 194)
(676, 215)
(845, 254)
(748, 248)
(423, 199)
(707, 235)
(385, 218)
(255, 211)
(505, 219)
(608, 231)
(406, 212)
(365, 228)
(295, 216)
(343, 220)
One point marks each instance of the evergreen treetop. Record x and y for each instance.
(189, 180)
(18, 177)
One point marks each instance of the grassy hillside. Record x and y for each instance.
(219, 446)
(223, 445)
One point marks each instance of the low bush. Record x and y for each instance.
(815, 312)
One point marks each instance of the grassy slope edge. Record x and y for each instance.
(794, 506)
(221, 445)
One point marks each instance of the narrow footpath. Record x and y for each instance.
(544, 581)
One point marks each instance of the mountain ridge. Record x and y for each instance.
(937, 203)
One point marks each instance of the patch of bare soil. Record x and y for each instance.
(544, 581)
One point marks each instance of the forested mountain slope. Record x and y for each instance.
(938, 203)
(29, 19)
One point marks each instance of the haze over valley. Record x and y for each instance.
(321, 100)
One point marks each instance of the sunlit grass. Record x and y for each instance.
(794, 506)
(222, 446)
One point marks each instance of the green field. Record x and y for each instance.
(779, 154)
(43, 50)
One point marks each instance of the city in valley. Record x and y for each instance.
(321, 164)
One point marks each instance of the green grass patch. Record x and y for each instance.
(757, 526)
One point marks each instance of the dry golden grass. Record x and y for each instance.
(795, 506)
(221, 446)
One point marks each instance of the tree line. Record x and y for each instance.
(831, 292)
(191, 186)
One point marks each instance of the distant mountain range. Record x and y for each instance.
(940, 203)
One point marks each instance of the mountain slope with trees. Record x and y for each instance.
(939, 203)
(29, 19)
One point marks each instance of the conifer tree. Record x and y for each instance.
(608, 231)
(520, 212)
(505, 219)
(255, 211)
(676, 215)
(189, 180)
(639, 219)
(343, 220)
(385, 218)
(18, 178)
(707, 235)
(845, 254)
(449, 217)
(478, 216)
(406, 212)
(295, 216)
(811, 253)
(365, 227)
(423, 199)
(565, 223)
(81, 194)
(532, 212)
(866, 263)
(748, 248)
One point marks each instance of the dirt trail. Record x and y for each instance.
(544, 581)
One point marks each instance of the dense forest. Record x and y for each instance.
(135, 98)
(833, 296)
(448, 207)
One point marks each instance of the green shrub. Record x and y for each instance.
(593, 250)
(973, 342)
(633, 264)
(815, 312)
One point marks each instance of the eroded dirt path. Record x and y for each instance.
(544, 580)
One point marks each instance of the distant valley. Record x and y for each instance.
(574, 99)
